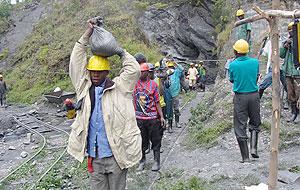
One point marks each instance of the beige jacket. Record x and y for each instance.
(118, 111)
(192, 73)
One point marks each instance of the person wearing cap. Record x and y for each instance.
(192, 72)
(149, 116)
(140, 58)
(244, 30)
(175, 72)
(243, 73)
(3, 90)
(292, 74)
(105, 127)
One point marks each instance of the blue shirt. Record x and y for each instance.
(243, 72)
(175, 81)
(97, 137)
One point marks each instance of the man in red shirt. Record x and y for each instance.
(149, 115)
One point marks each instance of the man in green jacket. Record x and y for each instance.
(105, 127)
(292, 75)
(244, 31)
(243, 73)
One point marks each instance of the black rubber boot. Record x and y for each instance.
(253, 144)
(261, 92)
(294, 112)
(142, 163)
(170, 130)
(244, 150)
(177, 121)
(156, 164)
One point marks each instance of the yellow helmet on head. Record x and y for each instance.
(1, 76)
(98, 63)
(290, 25)
(170, 63)
(240, 12)
(156, 65)
(241, 46)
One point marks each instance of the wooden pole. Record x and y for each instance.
(273, 170)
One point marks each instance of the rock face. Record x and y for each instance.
(184, 30)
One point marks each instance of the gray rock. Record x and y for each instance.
(24, 154)
(11, 148)
(34, 147)
(28, 139)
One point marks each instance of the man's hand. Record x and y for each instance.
(288, 43)
(163, 122)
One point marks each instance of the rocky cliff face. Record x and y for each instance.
(182, 30)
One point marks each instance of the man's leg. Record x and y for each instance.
(297, 93)
(240, 120)
(116, 176)
(99, 179)
(142, 124)
(292, 98)
(176, 111)
(191, 84)
(267, 81)
(254, 122)
(155, 136)
(1, 99)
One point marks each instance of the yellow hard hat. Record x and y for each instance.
(290, 25)
(241, 46)
(156, 65)
(1, 76)
(97, 63)
(240, 12)
(171, 64)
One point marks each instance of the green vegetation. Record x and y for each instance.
(42, 61)
(266, 126)
(167, 179)
(295, 169)
(4, 54)
(5, 10)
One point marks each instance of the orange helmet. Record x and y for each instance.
(144, 67)
(68, 101)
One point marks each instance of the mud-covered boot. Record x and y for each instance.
(244, 150)
(170, 130)
(142, 163)
(294, 113)
(177, 121)
(253, 144)
(297, 119)
(156, 164)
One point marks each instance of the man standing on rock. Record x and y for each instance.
(3, 90)
(292, 75)
(149, 115)
(243, 73)
(105, 127)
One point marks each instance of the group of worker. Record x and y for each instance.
(197, 75)
(244, 73)
(117, 120)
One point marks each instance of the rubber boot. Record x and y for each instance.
(170, 130)
(253, 144)
(294, 112)
(177, 121)
(297, 119)
(156, 164)
(244, 150)
(261, 92)
(142, 163)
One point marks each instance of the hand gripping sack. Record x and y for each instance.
(103, 43)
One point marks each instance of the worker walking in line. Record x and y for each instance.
(202, 75)
(292, 75)
(172, 94)
(3, 90)
(105, 127)
(244, 30)
(149, 116)
(192, 72)
(243, 73)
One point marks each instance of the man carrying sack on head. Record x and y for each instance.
(105, 127)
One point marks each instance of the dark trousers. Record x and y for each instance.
(150, 130)
(246, 108)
